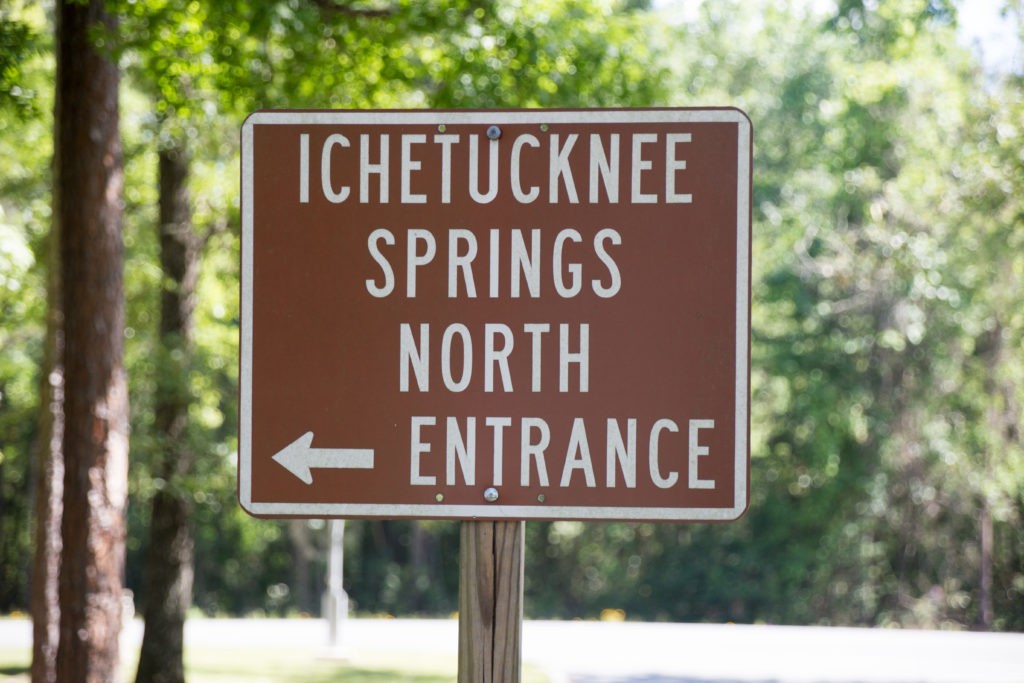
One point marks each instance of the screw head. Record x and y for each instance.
(491, 494)
(493, 133)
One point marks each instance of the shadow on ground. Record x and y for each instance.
(14, 670)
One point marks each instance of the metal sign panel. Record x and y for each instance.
(496, 314)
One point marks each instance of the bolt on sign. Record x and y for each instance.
(496, 314)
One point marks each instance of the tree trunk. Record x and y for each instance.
(985, 580)
(87, 198)
(49, 484)
(303, 554)
(169, 558)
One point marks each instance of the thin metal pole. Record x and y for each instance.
(335, 603)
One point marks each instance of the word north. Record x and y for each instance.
(455, 356)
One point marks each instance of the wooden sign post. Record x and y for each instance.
(491, 601)
(495, 315)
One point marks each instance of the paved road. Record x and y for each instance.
(691, 653)
(599, 652)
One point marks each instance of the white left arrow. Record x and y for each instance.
(300, 458)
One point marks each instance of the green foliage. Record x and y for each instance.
(546, 54)
(886, 392)
(402, 567)
(20, 354)
(20, 42)
(887, 380)
(206, 65)
(25, 148)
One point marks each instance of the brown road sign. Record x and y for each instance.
(496, 314)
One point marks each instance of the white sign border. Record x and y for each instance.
(495, 511)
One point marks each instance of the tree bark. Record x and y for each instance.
(987, 614)
(169, 559)
(87, 197)
(1001, 419)
(303, 554)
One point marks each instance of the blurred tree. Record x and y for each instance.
(351, 56)
(862, 320)
(169, 558)
(171, 58)
(88, 178)
(885, 410)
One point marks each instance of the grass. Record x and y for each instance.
(266, 665)
(14, 663)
